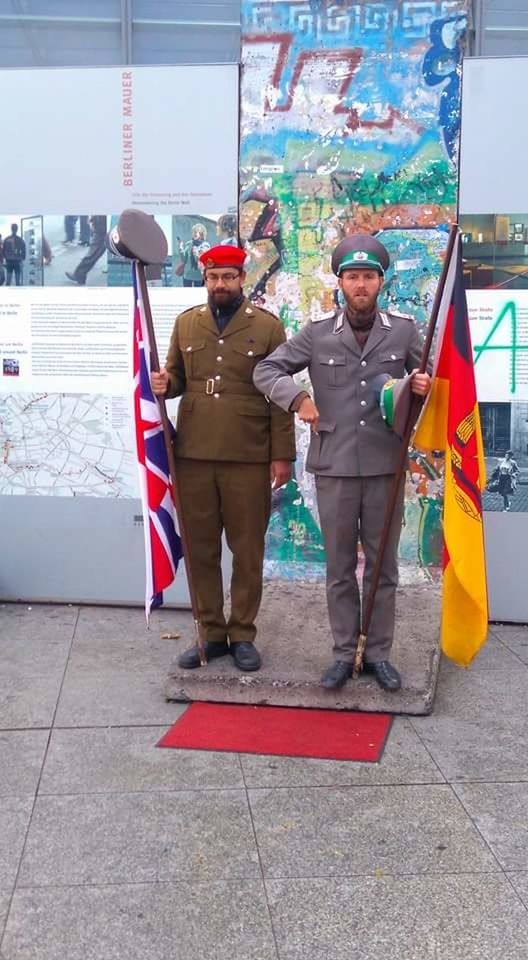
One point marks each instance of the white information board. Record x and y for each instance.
(108, 138)
(493, 136)
(499, 334)
(90, 143)
(65, 389)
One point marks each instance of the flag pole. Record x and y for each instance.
(167, 436)
(401, 465)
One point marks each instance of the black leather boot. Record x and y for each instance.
(190, 659)
(246, 656)
(337, 675)
(386, 675)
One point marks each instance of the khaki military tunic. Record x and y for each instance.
(227, 435)
(353, 456)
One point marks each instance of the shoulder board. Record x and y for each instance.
(197, 306)
(398, 313)
(324, 316)
(269, 313)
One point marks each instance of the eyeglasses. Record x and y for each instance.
(221, 277)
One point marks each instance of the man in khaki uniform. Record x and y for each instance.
(232, 446)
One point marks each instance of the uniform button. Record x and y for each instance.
(393, 356)
(189, 349)
(218, 377)
(216, 395)
(363, 383)
(219, 358)
(331, 360)
(363, 363)
(220, 341)
(363, 403)
(250, 353)
(361, 423)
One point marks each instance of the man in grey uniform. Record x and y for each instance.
(353, 453)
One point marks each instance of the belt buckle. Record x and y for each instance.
(209, 386)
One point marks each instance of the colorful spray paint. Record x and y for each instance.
(350, 121)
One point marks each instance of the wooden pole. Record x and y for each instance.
(401, 466)
(167, 435)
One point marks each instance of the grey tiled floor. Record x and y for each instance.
(111, 848)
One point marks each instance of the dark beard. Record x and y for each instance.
(225, 301)
(361, 318)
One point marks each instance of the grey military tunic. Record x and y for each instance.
(353, 455)
(353, 439)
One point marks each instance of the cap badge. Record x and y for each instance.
(360, 255)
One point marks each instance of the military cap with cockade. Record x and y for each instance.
(360, 250)
(223, 255)
(394, 399)
(137, 236)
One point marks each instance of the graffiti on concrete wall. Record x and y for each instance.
(349, 123)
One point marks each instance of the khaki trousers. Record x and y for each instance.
(218, 496)
(352, 509)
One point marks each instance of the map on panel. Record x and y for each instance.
(66, 445)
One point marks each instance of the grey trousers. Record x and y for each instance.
(352, 510)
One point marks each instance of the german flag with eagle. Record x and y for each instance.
(450, 421)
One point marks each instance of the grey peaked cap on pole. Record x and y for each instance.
(137, 236)
(360, 250)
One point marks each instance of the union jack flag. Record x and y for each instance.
(163, 547)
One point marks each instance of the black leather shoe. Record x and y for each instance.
(246, 656)
(386, 675)
(337, 675)
(190, 659)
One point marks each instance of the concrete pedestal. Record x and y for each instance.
(294, 640)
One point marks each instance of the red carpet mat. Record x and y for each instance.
(280, 731)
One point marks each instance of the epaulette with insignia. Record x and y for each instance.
(325, 316)
(190, 309)
(264, 310)
(398, 313)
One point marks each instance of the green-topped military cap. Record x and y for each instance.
(360, 250)
(394, 398)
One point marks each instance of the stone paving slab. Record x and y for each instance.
(485, 748)
(21, 758)
(500, 812)
(473, 694)
(479, 728)
(347, 831)
(128, 626)
(159, 921)
(5, 896)
(519, 881)
(29, 702)
(117, 668)
(36, 635)
(294, 639)
(117, 760)
(493, 655)
(34, 644)
(140, 837)
(515, 638)
(14, 818)
(119, 697)
(404, 760)
(398, 918)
